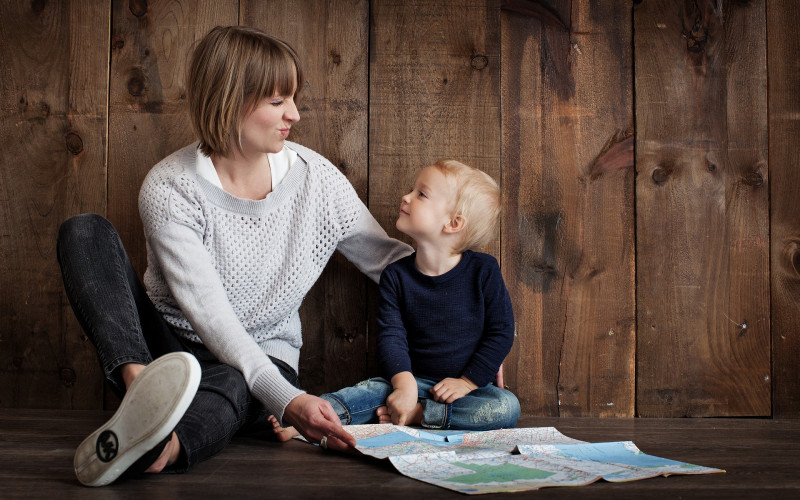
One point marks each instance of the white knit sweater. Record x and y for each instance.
(232, 273)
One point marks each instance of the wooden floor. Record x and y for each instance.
(761, 457)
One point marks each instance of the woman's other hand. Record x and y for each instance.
(314, 418)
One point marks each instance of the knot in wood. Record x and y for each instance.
(136, 82)
(138, 7)
(38, 6)
(479, 62)
(67, 376)
(754, 179)
(335, 57)
(74, 143)
(696, 38)
(660, 175)
(790, 257)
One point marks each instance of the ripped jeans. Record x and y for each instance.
(485, 408)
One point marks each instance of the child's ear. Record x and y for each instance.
(456, 224)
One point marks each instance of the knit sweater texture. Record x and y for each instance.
(457, 324)
(231, 272)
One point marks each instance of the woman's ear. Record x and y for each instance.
(456, 224)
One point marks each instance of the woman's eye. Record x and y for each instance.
(276, 103)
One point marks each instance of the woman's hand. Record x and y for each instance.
(451, 389)
(314, 418)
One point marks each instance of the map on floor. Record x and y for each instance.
(510, 460)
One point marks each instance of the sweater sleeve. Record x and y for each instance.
(368, 246)
(391, 340)
(498, 330)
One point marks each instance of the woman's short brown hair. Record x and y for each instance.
(232, 69)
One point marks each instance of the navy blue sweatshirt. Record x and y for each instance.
(457, 324)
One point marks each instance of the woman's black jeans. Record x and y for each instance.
(124, 326)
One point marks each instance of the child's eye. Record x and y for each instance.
(277, 103)
(423, 195)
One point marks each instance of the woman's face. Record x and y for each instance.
(265, 129)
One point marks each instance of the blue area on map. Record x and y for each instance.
(614, 453)
(453, 437)
(438, 438)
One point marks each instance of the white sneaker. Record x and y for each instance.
(149, 412)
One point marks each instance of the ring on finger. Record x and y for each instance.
(324, 442)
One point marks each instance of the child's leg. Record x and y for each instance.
(357, 404)
(485, 408)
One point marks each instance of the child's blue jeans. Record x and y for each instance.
(483, 409)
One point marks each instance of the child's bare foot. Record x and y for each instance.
(414, 418)
(282, 433)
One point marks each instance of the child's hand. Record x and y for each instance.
(499, 382)
(402, 405)
(451, 389)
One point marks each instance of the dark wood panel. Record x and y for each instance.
(434, 80)
(784, 151)
(568, 247)
(332, 41)
(54, 60)
(702, 209)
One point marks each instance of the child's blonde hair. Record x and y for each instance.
(477, 201)
(232, 69)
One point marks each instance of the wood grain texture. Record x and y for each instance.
(759, 456)
(702, 209)
(331, 39)
(434, 81)
(784, 152)
(52, 166)
(568, 248)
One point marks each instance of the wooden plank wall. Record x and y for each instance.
(649, 166)
(702, 210)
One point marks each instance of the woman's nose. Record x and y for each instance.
(291, 114)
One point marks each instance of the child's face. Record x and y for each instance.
(428, 207)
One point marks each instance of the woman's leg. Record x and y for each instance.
(128, 333)
(485, 408)
(108, 299)
(357, 404)
(221, 408)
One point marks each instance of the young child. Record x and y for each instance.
(445, 322)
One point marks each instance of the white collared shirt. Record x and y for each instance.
(279, 164)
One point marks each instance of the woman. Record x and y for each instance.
(238, 226)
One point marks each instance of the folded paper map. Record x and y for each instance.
(509, 460)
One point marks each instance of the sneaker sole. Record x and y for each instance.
(150, 410)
